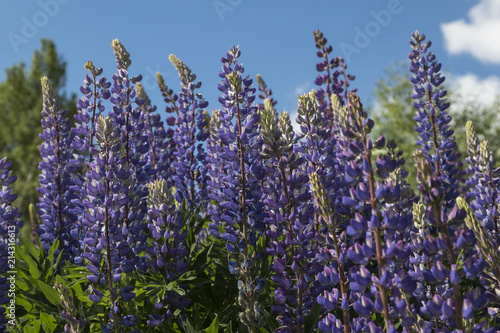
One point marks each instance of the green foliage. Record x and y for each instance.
(486, 120)
(393, 114)
(20, 105)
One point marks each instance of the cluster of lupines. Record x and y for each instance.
(10, 225)
(352, 248)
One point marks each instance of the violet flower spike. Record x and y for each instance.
(57, 174)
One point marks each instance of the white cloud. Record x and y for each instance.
(303, 88)
(479, 35)
(471, 88)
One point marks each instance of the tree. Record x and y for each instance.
(393, 113)
(20, 108)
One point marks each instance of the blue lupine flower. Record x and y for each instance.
(57, 175)
(107, 185)
(233, 156)
(167, 252)
(291, 229)
(438, 175)
(191, 131)
(335, 81)
(131, 120)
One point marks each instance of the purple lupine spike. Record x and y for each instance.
(172, 106)
(234, 156)
(168, 96)
(57, 175)
(10, 227)
(167, 252)
(192, 130)
(335, 81)
(158, 154)
(325, 207)
(265, 92)
(286, 183)
(327, 184)
(107, 185)
(127, 113)
(484, 182)
(438, 175)
(471, 159)
(377, 227)
(95, 91)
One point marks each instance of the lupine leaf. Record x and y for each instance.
(214, 327)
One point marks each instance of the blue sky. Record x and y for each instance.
(276, 39)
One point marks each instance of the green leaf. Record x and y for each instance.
(23, 256)
(36, 326)
(48, 322)
(29, 247)
(229, 328)
(50, 293)
(271, 320)
(214, 327)
(20, 301)
(53, 250)
(189, 327)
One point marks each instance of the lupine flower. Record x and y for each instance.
(167, 251)
(326, 209)
(327, 184)
(191, 131)
(291, 226)
(238, 189)
(376, 224)
(134, 140)
(95, 90)
(483, 183)
(438, 178)
(107, 186)
(158, 153)
(172, 107)
(333, 81)
(56, 177)
(486, 243)
(265, 92)
(471, 159)
(10, 226)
